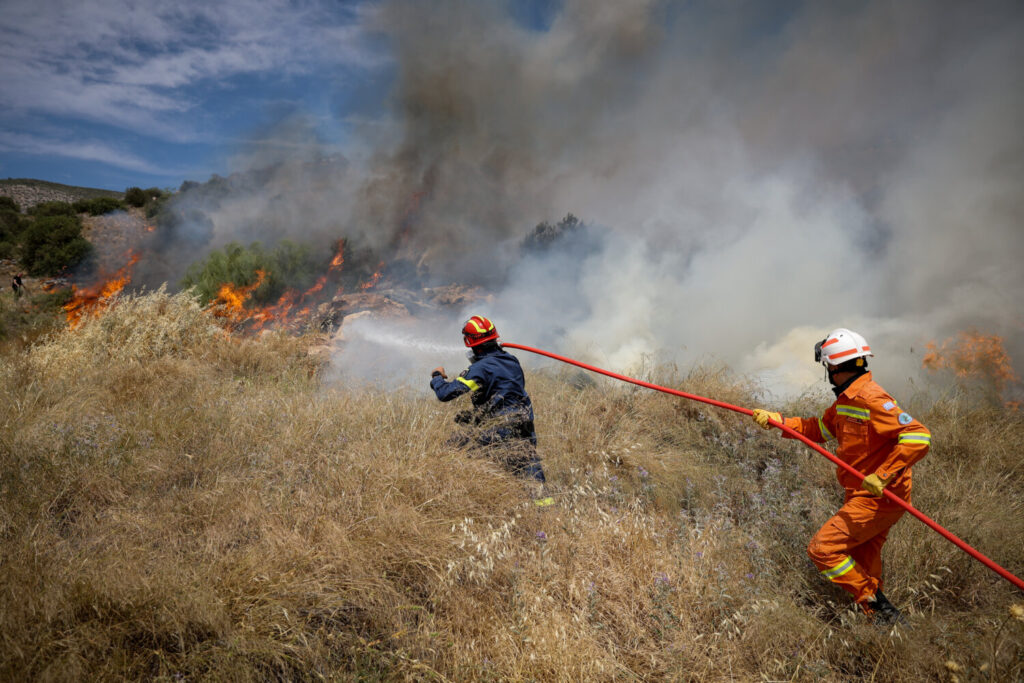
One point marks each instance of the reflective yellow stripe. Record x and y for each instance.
(473, 386)
(854, 411)
(824, 430)
(840, 569)
(915, 437)
(480, 325)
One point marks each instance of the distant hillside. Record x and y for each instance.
(29, 192)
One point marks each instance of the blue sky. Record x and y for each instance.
(115, 93)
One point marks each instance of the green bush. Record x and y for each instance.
(287, 266)
(52, 244)
(8, 204)
(11, 224)
(52, 209)
(135, 196)
(98, 206)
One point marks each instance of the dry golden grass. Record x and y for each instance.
(180, 503)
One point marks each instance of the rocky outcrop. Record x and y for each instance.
(29, 194)
(115, 235)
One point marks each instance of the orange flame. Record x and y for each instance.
(339, 258)
(972, 355)
(374, 279)
(278, 312)
(230, 301)
(336, 263)
(92, 301)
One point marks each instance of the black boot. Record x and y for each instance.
(884, 612)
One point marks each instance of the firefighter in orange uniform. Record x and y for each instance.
(877, 438)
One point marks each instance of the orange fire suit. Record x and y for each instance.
(875, 436)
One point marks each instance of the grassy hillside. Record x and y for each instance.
(180, 503)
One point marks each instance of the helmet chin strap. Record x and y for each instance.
(832, 370)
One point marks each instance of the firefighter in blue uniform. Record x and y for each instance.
(501, 420)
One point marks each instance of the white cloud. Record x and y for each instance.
(137, 66)
(79, 149)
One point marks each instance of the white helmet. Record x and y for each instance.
(840, 346)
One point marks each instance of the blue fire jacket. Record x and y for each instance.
(498, 388)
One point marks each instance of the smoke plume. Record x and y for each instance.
(760, 174)
(751, 174)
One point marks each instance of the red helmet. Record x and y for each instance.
(478, 330)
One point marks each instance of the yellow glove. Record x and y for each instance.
(874, 484)
(761, 417)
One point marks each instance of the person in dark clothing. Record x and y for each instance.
(17, 284)
(501, 420)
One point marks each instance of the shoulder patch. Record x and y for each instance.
(905, 419)
(888, 405)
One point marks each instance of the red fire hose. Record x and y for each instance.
(891, 496)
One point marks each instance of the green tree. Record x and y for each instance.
(52, 244)
(8, 204)
(11, 225)
(135, 196)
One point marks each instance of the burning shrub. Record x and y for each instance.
(288, 265)
(93, 300)
(978, 361)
